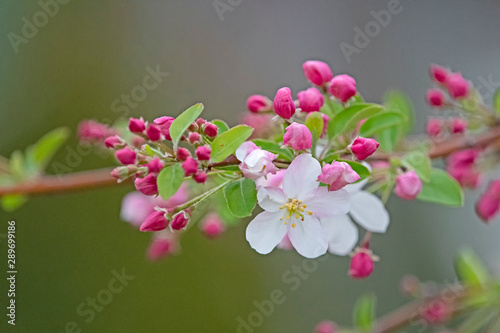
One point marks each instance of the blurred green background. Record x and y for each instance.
(89, 53)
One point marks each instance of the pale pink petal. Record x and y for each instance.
(266, 231)
(301, 177)
(308, 237)
(342, 234)
(324, 203)
(369, 211)
(244, 149)
(135, 208)
(271, 198)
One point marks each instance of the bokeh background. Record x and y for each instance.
(91, 52)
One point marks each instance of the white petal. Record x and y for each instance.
(266, 231)
(308, 237)
(356, 187)
(271, 198)
(301, 177)
(324, 203)
(369, 211)
(342, 234)
(244, 149)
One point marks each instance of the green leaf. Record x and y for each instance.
(348, 119)
(364, 313)
(314, 123)
(442, 189)
(379, 123)
(227, 143)
(470, 269)
(398, 101)
(360, 169)
(496, 101)
(42, 152)
(183, 121)
(170, 180)
(420, 162)
(221, 125)
(284, 154)
(241, 197)
(389, 138)
(17, 165)
(11, 202)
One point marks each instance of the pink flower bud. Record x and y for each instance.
(161, 248)
(435, 98)
(89, 130)
(458, 125)
(153, 132)
(255, 162)
(155, 221)
(317, 72)
(182, 154)
(155, 165)
(126, 156)
(439, 73)
(310, 100)
(210, 130)
(284, 106)
(212, 226)
(298, 137)
(136, 125)
(488, 205)
(408, 185)
(203, 153)
(326, 327)
(462, 167)
(363, 147)
(200, 122)
(180, 220)
(338, 175)
(436, 312)
(164, 124)
(123, 172)
(458, 87)
(190, 166)
(409, 285)
(194, 138)
(146, 185)
(434, 127)
(200, 177)
(343, 87)
(138, 141)
(361, 265)
(113, 142)
(258, 103)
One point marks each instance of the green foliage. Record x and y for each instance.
(284, 154)
(241, 197)
(470, 269)
(314, 123)
(442, 189)
(397, 101)
(227, 143)
(496, 101)
(170, 180)
(42, 152)
(379, 123)
(348, 119)
(12, 202)
(221, 125)
(364, 313)
(420, 162)
(183, 121)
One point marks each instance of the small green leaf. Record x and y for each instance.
(221, 125)
(360, 169)
(442, 189)
(183, 121)
(241, 197)
(46, 147)
(496, 101)
(389, 138)
(227, 143)
(17, 165)
(284, 154)
(348, 119)
(364, 313)
(420, 162)
(12, 202)
(314, 123)
(470, 269)
(170, 180)
(148, 150)
(379, 123)
(397, 101)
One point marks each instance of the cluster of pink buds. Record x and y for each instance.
(93, 131)
(438, 127)
(453, 83)
(462, 166)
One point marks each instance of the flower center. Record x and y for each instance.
(296, 209)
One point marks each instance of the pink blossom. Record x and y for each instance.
(258, 103)
(310, 100)
(190, 166)
(194, 138)
(212, 226)
(255, 162)
(203, 153)
(161, 247)
(458, 125)
(435, 97)
(200, 177)
(180, 220)
(126, 156)
(436, 312)
(343, 87)
(337, 175)
(434, 127)
(113, 142)
(361, 265)
(153, 132)
(271, 180)
(284, 106)
(458, 87)
(408, 185)
(326, 327)
(462, 167)
(89, 130)
(488, 205)
(261, 123)
(297, 137)
(164, 124)
(155, 221)
(363, 147)
(155, 165)
(210, 130)
(146, 185)
(136, 125)
(317, 72)
(182, 154)
(439, 73)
